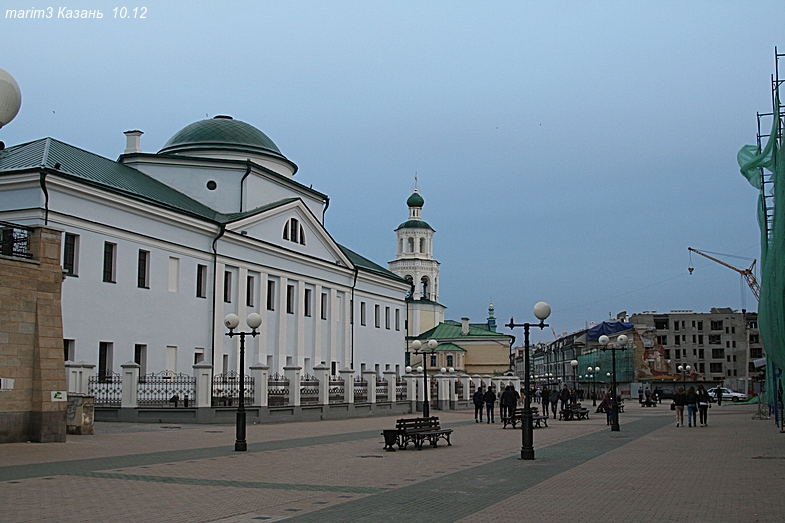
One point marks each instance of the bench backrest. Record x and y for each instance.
(431, 423)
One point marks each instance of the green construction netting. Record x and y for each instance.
(771, 311)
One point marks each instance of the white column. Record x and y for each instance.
(466, 380)
(347, 375)
(444, 391)
(260, 373)
(411, 389)
(292, 373)
(317, 324)
(130, 384)
(204, 389)
(282, 318)
(347, 330)
(299, 329)
(370, 377)
(333, 315)
(322, 373)
(218, 318)
(392, 382)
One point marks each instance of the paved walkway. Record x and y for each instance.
(730, 471)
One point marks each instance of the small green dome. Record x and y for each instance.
(415, 200)
(414, 224)
(222, 132)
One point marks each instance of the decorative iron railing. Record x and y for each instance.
(277, 390)
(382, 391)
(472, 388)
(360, 390)
(15, 240)
(337, 391)
(309, 390)
(434, 399)
(166, 389)
(226, 389)
(400, 390)
(459, 389)
(106, 388)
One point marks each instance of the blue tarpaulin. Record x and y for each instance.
(608, 328)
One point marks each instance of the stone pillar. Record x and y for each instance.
(444, 382)
(322, 373)
(391, 378)
(370, 378)
(77, 375)
(453, 380)
(292, 374)
(347, 375)
(203, 372)
(260, 373)
(411, 388)
(467, 392)
(130, 384)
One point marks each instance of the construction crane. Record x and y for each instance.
(748, 274)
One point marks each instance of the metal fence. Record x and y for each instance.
(309, 390)
(459, 389)
(360, 390)
(166, 389)
(15, 240)
(400, 389)
(382, 390)
(434, 399)
(277, 390)
(226, 389)
(106, 388)
(337, 391)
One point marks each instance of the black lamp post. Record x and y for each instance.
(621, 345)
(593, 375)
(430, 349)
(574, 364)
(684, 370)
(541, 311)
(231, 321)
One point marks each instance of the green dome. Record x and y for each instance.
(222, 132)
(414, 224)
(415, 200)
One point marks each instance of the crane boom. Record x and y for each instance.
(749, 274)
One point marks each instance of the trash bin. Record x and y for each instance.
(390, 439)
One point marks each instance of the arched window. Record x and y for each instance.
(286, 231)
(411, 245)
(294, 231)
(425, 291)
(302, 235)
(422, 245)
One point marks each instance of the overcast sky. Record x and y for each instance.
(566, 151)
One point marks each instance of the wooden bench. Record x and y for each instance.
(417, 430)
(574, 412)
(537, 419)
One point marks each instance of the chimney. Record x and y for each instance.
(132, 142)
(464, 326)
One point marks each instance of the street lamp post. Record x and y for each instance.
(430, 349)
(541, 311)
(232, 321)
(684, 370)
(593, 385)
(574, 364)
(621, 345)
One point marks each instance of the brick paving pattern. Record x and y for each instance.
(328, 471)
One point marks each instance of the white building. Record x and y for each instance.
(158, 248)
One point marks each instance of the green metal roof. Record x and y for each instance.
(368, 265)
(414, 224)
(415, 200)
(452, 331)
(222, 132)
(449, 347)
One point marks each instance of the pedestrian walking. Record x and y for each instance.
(679, 401)
(509, 401)
(718, 393)
(490, 399)
(564, 396)
(538, 396)
(692, 407)
(605, 406)
(640, 395)
(546, 401)
(703, 405)
(478, 400)
(554, 401)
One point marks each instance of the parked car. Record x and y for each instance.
(727, 395)
(667, 394)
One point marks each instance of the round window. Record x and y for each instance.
(211, 185)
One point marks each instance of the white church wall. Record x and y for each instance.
(261, 191)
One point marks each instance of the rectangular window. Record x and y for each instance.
(700, 326)
(201, 281)
(661, 324)
(700, 339)
(667, 354)
(677, 340)
(323, 306)
(728, 358)
(433, 360)
(727, 330)
(104, 360)
(140, 358)
(68, 350)
(377, 316)
(716, 325)
(662, 339)
(227, 287)
(386, 317)
(70, 254)
(290, 299)
(727, 345)
(307, 303)
(249, 287)
(702, 367)
(733, 330)
(270, 295)
(174, 274)
(449, 360)
(715, 368)
(143, 270)
(110, 255)
(676, 326)
(700, 353)
(756, 353)
(754, 338)
(694, 339)
(171, 358)
(397, 319)
(362, 313)
(715, 339)
(678, 354)
(198, 355)
(717, 353)
(693, 324)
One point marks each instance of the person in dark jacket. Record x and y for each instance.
(478, 400)
(680, 400)
(564, 396)
(718, 393)
(605, 406)
(703, 405)
(509, 401)
(545, 396)
(490, 399)
(692, 407)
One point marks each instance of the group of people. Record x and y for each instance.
(697, 403)
(508, 401)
